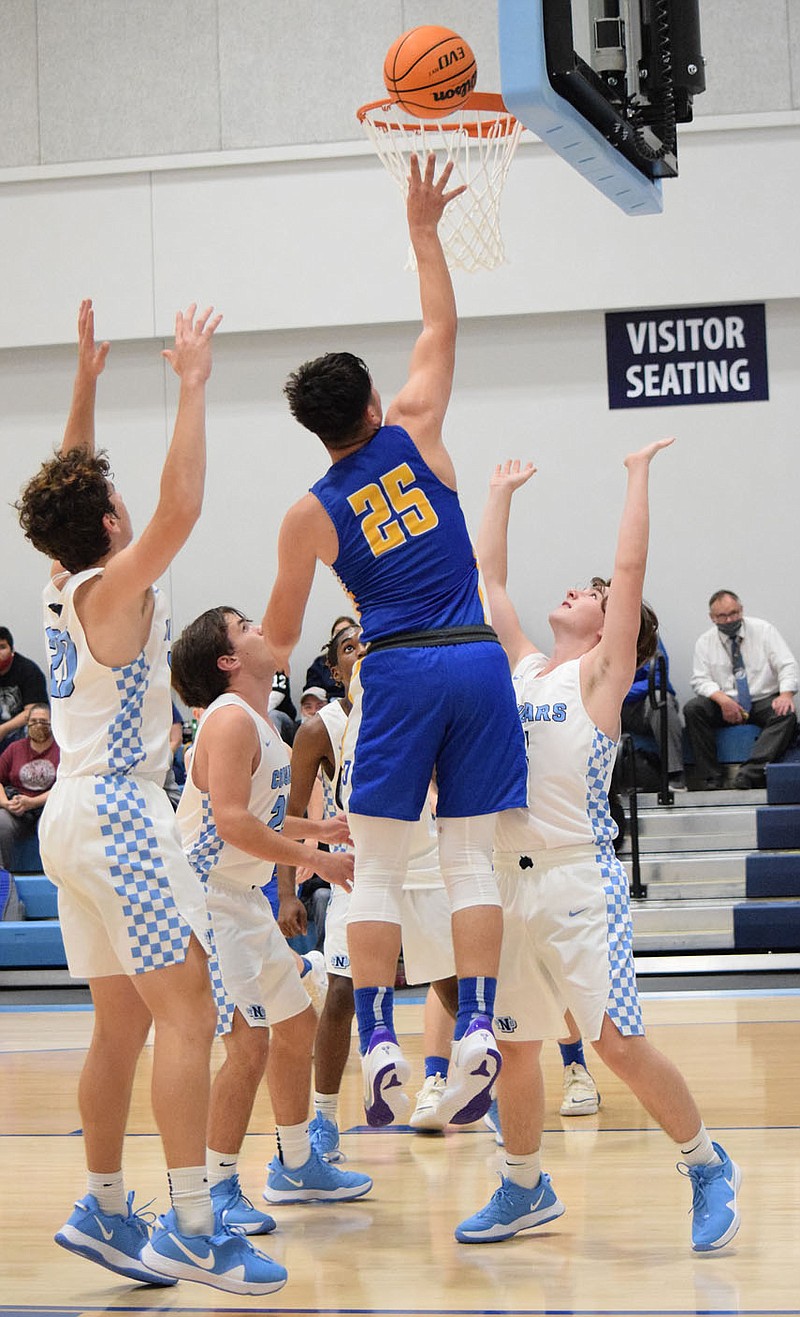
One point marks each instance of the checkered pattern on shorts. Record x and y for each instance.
(157, 932)
(598, 771)
(623, 998)
(224, 1004)
(203, 854)
(125, 747)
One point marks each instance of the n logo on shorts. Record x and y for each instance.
(505, 1023)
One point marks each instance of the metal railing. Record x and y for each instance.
(627, 763)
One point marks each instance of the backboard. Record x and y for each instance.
(605, 84)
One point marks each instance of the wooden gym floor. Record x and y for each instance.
(623, 1246)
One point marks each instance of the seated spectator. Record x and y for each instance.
(312, 700)
(640, 716)
(319, 674)
(281, 708)
(27, 772)
(22, 683)
(743, 672)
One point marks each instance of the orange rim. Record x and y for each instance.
(502, 125)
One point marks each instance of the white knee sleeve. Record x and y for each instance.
(382, 847)
(465, 855)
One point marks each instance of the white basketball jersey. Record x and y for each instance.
(209, 855)
(335, 720)
(570, 762)
(107, 721)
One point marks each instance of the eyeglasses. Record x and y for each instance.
(732, 616)
(38, 722)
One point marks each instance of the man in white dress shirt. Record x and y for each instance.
(743, 671)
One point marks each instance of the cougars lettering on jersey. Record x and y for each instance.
(568, 797)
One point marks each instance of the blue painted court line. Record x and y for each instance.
(42, 1010)
(41, 1311)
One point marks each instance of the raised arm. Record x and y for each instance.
(609, 668)
(134, 568)
(306, 534)
(421, 404)
(493, 557)
(79, 432)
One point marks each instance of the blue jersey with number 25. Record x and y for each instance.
(405, 555)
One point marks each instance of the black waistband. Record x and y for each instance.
(446, 635)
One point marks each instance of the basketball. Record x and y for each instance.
(430, 71)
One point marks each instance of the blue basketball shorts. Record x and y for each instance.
(447, 713)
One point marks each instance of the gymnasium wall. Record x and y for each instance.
(152, 153)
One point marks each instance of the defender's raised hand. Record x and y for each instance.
(191, 356)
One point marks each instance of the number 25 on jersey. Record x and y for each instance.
(392, 509)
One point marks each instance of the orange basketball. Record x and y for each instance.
(430, 71)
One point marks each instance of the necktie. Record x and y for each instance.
(743, 695)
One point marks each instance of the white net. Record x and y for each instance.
(480, 139)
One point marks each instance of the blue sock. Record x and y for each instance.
(475, 997)
(374, 1010)
(436, 1065)
(572, 1053)
(306, 967)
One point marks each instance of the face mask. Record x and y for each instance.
(730, 629)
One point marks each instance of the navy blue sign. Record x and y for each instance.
(691, 355)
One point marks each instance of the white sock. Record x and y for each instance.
(191, 1198)
(220, 1166)
(294, 1146)
(109, 1190)
(327, 1104)
(699, 1151)
(524, 1171)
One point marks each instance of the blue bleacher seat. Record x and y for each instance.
(31, 943)
(771, 926)
(26, 856)
(778, 827)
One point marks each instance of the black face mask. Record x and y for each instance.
(730, 629)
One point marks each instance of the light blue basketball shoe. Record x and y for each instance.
(510, 1210)
(715, 1211)
(324, 1135)
(226, 1260)
(314, 1182)
(113, 1240)
(236, 1211)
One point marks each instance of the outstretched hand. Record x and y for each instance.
(191, 356)
(426, 200)
(647, 454)
(91, 356)
(511, 475)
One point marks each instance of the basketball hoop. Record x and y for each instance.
(480, 139)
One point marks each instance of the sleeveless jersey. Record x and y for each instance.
(405, 555)
(335, 720)
(570, 762)
(107, 721)
(208, 854)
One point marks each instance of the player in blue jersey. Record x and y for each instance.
(386, 518)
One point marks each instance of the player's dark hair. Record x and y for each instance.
(61, 509)
(647, 639)
(196, 674)
(6, 635)
(329, 397)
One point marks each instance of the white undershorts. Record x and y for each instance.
(253, 970)
(128, 899)
(567, 945)
(425, 931)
